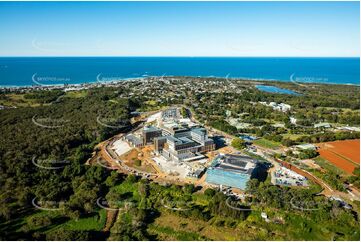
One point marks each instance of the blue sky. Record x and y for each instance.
(179, 29)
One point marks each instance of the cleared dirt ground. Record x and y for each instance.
(344, 154)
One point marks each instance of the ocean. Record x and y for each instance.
(28, 71)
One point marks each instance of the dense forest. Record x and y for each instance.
(61, 137)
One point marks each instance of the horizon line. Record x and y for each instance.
(175, 56)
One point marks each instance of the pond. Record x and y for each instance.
(273, 89)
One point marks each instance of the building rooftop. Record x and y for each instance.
(134, 139)
(238, 163)
(181, 140)
(306, 146)
(231, 170)
(200, 131)
(150, 129)
(185, 140)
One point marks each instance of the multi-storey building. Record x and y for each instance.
(232, 170)
(183, 143)
(149, 133)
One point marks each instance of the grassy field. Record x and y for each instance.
(331, 174)
(328, 166)
(76, 94)
(168, 233)
(94, 222)
(260, 158)
(253, 228)
(17, 100)
(292, 136)
(293, 225)
(127, 187)
(172, 227)
(267, 143)
(151, 102)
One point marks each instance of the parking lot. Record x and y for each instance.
(284, 176)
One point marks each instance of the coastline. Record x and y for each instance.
(22, 72)
(115, 82)
(83, 84)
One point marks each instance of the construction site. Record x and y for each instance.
(170, 148)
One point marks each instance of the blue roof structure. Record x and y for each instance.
(231, 170)
(227, 178)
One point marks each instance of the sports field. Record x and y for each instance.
(344, 154)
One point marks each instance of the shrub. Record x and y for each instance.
(138, 162)
(238, 143)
